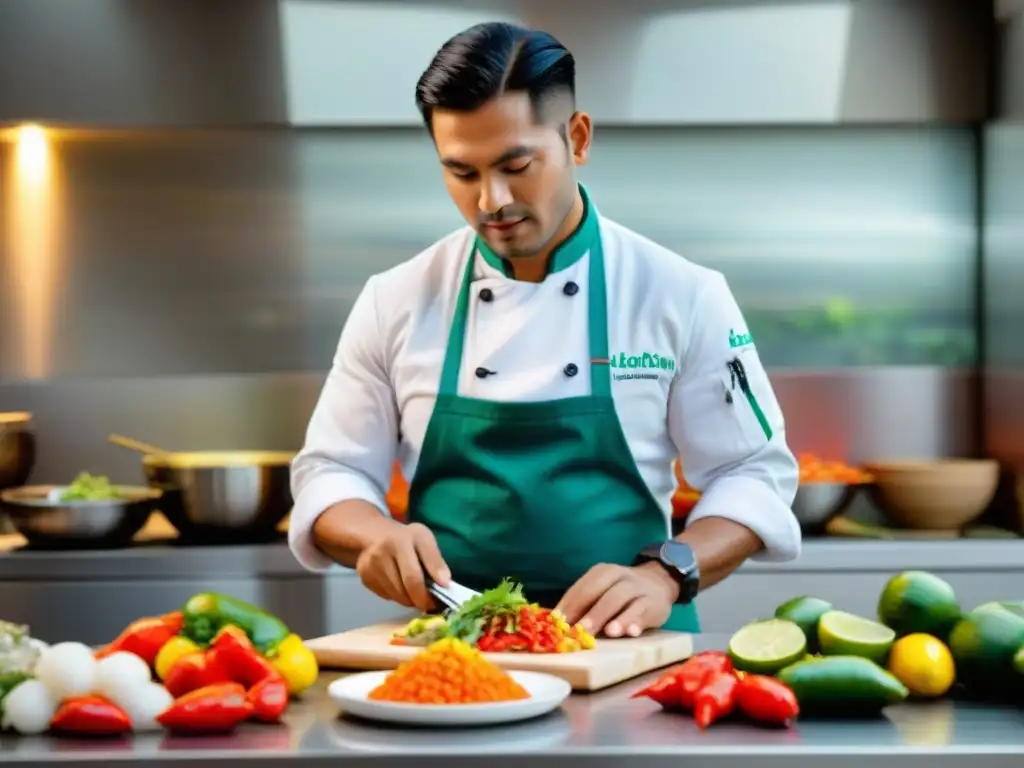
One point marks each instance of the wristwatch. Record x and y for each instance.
(679, 561)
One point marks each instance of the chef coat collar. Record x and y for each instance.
(572, 249)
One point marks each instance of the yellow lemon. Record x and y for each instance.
(171, 651)
(924, 664)
(296, 663)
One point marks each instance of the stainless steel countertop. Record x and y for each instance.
(602, 730)
(153, 561)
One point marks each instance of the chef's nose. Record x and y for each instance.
(494, 195)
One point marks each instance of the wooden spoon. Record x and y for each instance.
(137, 445)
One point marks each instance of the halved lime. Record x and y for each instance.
(765, 647)
(843, 634)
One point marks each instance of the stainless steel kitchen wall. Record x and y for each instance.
(1004, 256)
(188, 288)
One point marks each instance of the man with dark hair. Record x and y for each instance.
(537, 373)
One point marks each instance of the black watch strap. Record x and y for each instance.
(679, 561)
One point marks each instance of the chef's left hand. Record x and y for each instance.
(618, 600)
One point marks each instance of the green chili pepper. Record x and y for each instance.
(205, 614)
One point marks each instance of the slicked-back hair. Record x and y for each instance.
(490, 59)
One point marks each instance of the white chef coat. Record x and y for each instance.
(673, 327)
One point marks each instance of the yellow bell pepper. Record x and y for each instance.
(296, 663)
(170, 652)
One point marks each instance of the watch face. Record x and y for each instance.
(679, 555)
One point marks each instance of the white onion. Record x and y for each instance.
(119, 675)
(29, 708)
(144, 703)
(67, 670)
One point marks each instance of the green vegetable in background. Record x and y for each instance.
(205, 614)
(8, 682)
(88, 487)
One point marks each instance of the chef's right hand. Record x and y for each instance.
(393, 566)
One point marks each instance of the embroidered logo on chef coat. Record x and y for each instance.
(645, 365)
(737, 340)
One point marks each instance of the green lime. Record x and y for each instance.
(918, 602)
(843, 634)
(765, 647)
(805, 612)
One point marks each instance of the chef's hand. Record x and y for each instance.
(393, 566)
(618, 600)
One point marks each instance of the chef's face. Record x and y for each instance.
(512, 175)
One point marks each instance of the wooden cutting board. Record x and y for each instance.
(611, 662)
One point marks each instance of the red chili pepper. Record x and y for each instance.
(269, 699)
(213, 709)
(234, 652)
(716, 699)
(193, 671)
(91, 716)
(144, 637)
(664, 690)
(766, 700)
(696, 670)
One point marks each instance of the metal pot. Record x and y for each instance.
(232, 496)
(17, 449)
(17, 455)
(49, 523)
(816, 504)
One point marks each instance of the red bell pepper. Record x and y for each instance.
(144, 637)
(193, 671)
(236, 654)
(90, 716)
(213, 709)
(269, 699)
(766, 700)
(716, 699)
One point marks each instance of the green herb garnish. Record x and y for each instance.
(472, 619)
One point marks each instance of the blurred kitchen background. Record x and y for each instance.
(193, 193)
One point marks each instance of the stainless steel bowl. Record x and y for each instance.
(47, 523)
(223, 496)
(818, 503)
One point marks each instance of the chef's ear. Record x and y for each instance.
(580, 134)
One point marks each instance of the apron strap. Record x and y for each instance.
(456, 337)
(597, 325)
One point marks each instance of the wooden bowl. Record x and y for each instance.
(942, 495)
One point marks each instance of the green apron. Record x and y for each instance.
(538, 492)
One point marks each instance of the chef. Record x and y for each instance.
(536, 374)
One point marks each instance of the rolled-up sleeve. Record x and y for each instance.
(729, 430)
(352, 436)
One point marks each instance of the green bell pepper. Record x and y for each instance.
(205, 614)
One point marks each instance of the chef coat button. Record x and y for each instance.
(571, 289)
(486, 295)
(571, 369)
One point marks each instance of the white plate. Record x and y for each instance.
(547, 693)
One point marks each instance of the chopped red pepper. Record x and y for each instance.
(236, 655)
(213, 709)
(269, 699)
(193, 671)
(766, 700)
(696, 671)
(91, 716)
(144, 637)
(716, 699)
